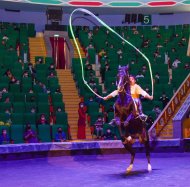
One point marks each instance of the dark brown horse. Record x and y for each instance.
(130, 125)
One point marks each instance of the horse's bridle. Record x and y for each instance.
(123, 90)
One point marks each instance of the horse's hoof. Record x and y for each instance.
(149, 168)
(129, 168)
(129, 138)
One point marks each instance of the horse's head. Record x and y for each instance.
(122, 78)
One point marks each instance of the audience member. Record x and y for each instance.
(187, 66)
(25, 74)
(58, 91)
(30, 90)
(39, 61)
(89, 67)
(144, 68)
(139, 75)
(59, 109)
(96, 98)
(169, 71)
(33, 110)
(90, 100)
(5, 38)
(90, 46)
(51, 67)
(60, 136)
(32, 71)
(90, 35)
(99, 127)
(149, 121)
(8, 73)
(175, 63)
(92, 82)
(157, 110)
(7, 115)
(102, 53)
(103, 71)
(30, 135)
(164, 99)
(157, 78)
(42, 120)
(81, 121)
(109, 135)
(7, 100)
(51, 75)
(4, 137)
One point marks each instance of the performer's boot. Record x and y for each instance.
(112, 122)
(143, 117)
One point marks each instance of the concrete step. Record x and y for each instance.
(67, 86)
(73, 121)
(70, 92)
(73, 116)
(71, 104)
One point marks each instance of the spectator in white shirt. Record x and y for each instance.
(175, 63)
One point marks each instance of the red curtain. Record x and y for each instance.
(57, 44)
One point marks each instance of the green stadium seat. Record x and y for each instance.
(30, 118)
(17, 133)
(93, 107)
(17, 118)
(61, 118)
(29, 106)
(56, 97)
(19, 97)
(27, 81)
(15, 88)
(5, 106)
(42, 98)
(18, 107)
(43, 107)
(31, 97)
(44, 133)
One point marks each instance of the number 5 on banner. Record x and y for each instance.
(147, 20)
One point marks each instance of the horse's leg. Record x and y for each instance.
(120, 131)
(129, 117)
(128, 147)
(118, 123)
(147, 148)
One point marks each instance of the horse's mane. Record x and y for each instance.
(123, 72)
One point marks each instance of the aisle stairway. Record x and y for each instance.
(71, 100)
(163, 126)
(168, 130)
(37, 48)
(76, 55)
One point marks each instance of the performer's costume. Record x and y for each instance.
(136, 90)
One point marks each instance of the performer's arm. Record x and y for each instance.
(147, 96)
(143, 93)
(113, 94)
